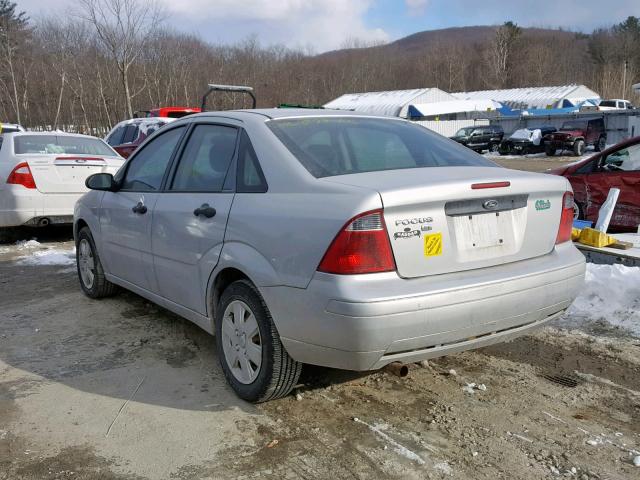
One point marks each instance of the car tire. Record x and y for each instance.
(493, 148)
(578, 148)
(578, 211)
(8, 235)
(89, 267)
(549, 150)
(601, 144)
(277, 373)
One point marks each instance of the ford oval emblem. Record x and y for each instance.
(490, 204)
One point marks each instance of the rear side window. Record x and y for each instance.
(60, 144)
(146, 169)
(206, 159)
(130, 134)
(250, 176)
(328, 146)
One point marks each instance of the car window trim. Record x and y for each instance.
(135, 154)
(175, 161)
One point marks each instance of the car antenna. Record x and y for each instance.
(228, 88)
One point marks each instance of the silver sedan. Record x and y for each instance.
(328, 238)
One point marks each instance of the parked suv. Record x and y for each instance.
(329, 238)
(125, 137)
(480, 138)
(577, 135)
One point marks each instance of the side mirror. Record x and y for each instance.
(101, 181)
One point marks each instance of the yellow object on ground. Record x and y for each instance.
(575, 234)
(595, 238)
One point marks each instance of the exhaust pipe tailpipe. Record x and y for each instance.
(43, 222)
(398, 369)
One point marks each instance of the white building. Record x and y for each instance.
(393, 103)
(534, 97)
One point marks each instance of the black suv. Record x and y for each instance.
(480, 138)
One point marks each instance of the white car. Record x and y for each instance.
(10, 127)
(615, 104)
(42, 175)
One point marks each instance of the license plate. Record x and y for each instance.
(481, 230)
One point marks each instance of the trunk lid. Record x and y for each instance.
(67, 173)
(437, 223)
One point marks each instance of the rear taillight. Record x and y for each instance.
(362, 246)
(566, 219)
(21, 175)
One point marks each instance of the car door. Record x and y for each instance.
(190, 217)
(125, 215)
(620, 169)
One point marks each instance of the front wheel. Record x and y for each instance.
(578, 148)
(578, 211)
(493, 148)
(251, 355)
(90, 271)
(601, 144)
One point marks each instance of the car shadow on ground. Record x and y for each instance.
(52, 233)
(122, 347)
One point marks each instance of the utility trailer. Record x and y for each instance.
(609, 256)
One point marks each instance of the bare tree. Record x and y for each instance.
(501, 52)
(124, 28)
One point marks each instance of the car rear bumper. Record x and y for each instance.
(365, 322)
(21, 206)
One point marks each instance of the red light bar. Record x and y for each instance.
(480, 186)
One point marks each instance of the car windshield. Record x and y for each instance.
(464, 132)
(328, 146)
(60, 144)
(574, 126)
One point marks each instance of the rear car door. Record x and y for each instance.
(190, 217)
(125, 215)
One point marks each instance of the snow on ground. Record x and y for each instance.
(49, 257)
(611, 294)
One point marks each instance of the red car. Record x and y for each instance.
(128, 134)
(169, 112)
(591, 179)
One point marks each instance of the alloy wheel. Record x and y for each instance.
(86, 264)
(241, 342)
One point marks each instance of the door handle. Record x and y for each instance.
(205, 210)
(139, 208)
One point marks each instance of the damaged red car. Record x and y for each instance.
(616, 167)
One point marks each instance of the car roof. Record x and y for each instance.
(59, 134)
(275, 113)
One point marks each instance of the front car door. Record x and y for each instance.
(620, 169)
(190, 216)
(125, 215)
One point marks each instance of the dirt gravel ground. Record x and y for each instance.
(120, 389)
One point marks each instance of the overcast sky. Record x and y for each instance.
(327, 24)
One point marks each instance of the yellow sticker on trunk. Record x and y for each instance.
(433, 244)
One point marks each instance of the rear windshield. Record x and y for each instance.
(328, 146)
(60, 144)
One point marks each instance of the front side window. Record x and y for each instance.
(328, 146)
(206, 159)
(146, 169)
(625, 159)
(60, 144)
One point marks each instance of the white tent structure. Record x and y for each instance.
(534, 97)
(451, 107)
(393, 103)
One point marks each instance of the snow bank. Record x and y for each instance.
(49, 257)
(612, 294)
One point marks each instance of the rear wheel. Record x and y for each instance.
(90, 271)
(251, 355)
(578, 211)
(549, 150)
(601, 144)
(578, 148)
(494, 147)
